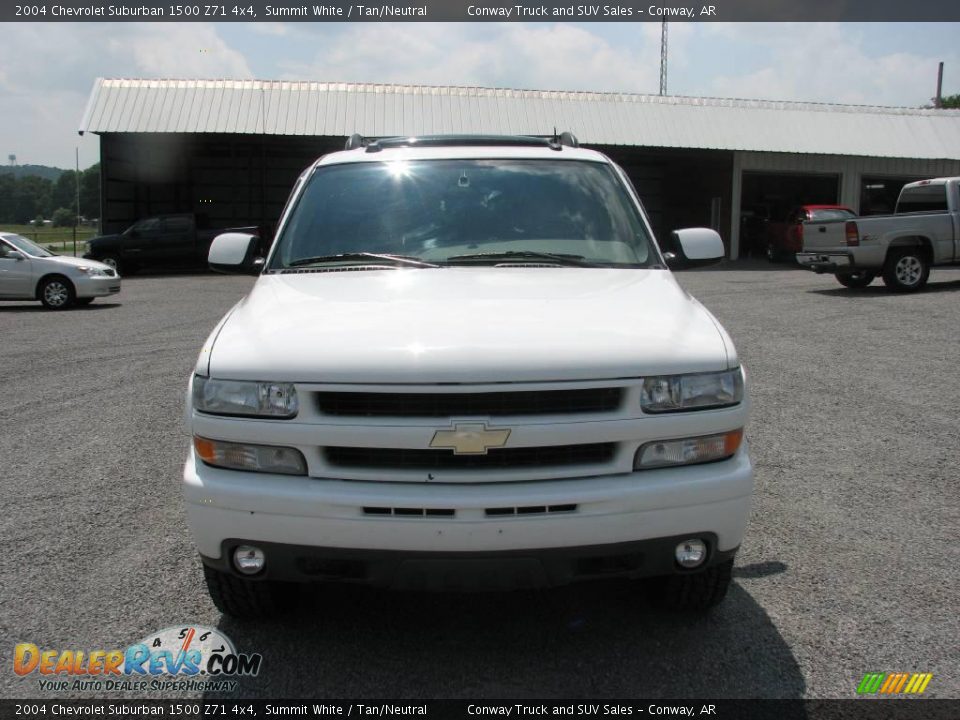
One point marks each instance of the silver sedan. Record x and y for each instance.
(29, 272)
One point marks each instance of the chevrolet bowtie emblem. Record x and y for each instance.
(469, 439)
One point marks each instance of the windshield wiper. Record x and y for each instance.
(559, 258)
(396, 259)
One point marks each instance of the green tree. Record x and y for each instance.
(8, 187)
(951, 101)
(31, 197)
(90, 192)
(64, 217)
(64, 193)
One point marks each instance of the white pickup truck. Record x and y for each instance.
(923, 231)
(466, 364)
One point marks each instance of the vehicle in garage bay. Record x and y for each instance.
(30, 272)
(466, 364)
(924, 231)
(785, 238)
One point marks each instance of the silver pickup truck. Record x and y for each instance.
(923, 231)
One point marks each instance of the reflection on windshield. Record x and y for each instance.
(26, 246)
(435, 210)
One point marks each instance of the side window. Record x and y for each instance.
(4, 249)
(176, 225)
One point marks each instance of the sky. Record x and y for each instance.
(47, 70)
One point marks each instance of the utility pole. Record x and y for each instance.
(663, 57)
(77, 223)
(938, 100)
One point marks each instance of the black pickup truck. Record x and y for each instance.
(165, 241)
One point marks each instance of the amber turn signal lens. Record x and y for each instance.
(206, 450)
(732, 440)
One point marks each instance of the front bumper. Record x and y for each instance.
(625, 524)
(503, 570)
(96, 286)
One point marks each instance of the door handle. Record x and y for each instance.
(821, 229)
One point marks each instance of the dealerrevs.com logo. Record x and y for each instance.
(193, 657)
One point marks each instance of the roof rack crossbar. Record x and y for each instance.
(376, 145)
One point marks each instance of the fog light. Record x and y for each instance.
(250, 560)
(691, 553)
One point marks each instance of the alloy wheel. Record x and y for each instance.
(56, 294)
(908, 270)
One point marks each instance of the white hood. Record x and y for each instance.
(467, 325)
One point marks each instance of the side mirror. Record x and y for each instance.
(14, 255)
(695, 247)
(235, 252)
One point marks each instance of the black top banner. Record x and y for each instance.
(484, 11)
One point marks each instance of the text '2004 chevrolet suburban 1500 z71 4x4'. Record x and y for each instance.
(465, 364)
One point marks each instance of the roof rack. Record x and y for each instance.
(557, 142)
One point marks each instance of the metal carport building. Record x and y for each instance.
(231, 149)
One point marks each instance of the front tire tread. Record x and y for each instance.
(694, 592)
(246, 599)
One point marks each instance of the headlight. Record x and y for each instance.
(235, 397)
(700, 391)
(687, 451)
(253, 458)
(92, 271)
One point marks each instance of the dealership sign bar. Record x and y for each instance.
(483, 11)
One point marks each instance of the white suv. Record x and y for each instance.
(465, 364)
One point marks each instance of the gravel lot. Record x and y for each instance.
(850, 565)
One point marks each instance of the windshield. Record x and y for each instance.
(439, 211)
(27, 246)
(144, 226)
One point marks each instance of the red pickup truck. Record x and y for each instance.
(785, 239)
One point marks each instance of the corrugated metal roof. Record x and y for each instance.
(341, 109)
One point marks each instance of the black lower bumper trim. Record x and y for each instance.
(822, 267)
(500, 570)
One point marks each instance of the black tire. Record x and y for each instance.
(693, 592)
(56, 293)
(856, 280)
(85, 301)
(111, 260)
(248, 599)
(906, 269)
